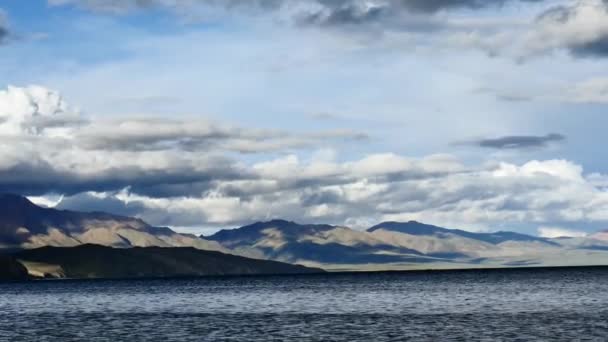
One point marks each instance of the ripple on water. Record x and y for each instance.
(560, 304)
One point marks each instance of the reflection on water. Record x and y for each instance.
(559, 304)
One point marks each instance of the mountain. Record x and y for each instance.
(389, 245)
(417, 228)
(11, 269)
(26, 225)
(597, 242)
(312, 244)
(600, 236)
(94, 261)
(395, 245)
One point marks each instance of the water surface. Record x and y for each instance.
(518, 305)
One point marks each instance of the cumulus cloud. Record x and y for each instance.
(481, 197)
(516, 142)
(555, 232)
(579, 27)
(34, 110)
(185, 174)
(48, 146)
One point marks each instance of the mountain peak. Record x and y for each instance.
(14, 199)
(278, 222)
(412, 227)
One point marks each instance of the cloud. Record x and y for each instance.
(516, 142)
(34, 110)
(582, 28)
(48, 146)
(476, 198)
(553, 232)
(418, 16)
(179, 6)
(347, 10)
(187, 174)
(4, 29)
(403, 13)
(579, 27)
(594, 90)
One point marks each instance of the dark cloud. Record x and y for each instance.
(196, 135)
(582, 46)
(519, 142)
(3, 34)
(359, 12)
(321, 197)
(4, 30)
(431, 6)
(594, 48)
(38, 177)
(514, 98)
(110, 204)
(347, 14)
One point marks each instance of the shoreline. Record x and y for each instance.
(323, 274)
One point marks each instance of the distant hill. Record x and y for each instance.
(417, 228)
(601, 236)
(389, 245)
(323, 244)
(93, 261)
(404, 245)
(26, 225)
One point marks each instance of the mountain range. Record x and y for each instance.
(386, 246)
(95, 261)
(26, 225)
(407, 245)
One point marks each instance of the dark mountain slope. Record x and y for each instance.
(93, 261)
(11, 269)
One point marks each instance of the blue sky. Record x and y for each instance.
(434, 99)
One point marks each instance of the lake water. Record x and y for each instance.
(518, 305)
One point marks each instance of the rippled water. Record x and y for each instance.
(558, 304)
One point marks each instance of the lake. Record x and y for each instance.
(487, 305)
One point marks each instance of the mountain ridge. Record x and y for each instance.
(400, 244)
(388, 245)
(418, 228)
(26, 225)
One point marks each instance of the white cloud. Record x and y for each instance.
(184, 173)
(577, 27)
(554, 232)
(34, 110)
(479, 199)
(594, 90)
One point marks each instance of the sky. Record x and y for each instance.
(482, 115)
